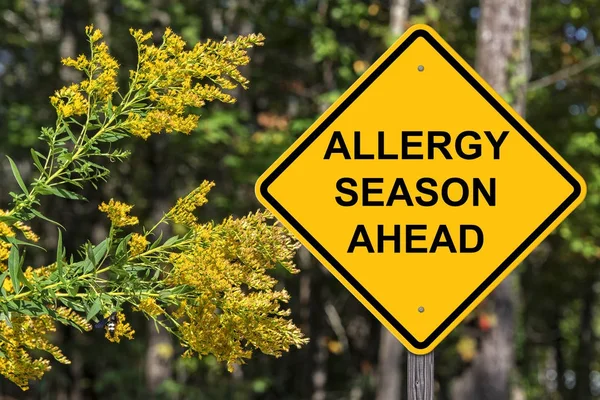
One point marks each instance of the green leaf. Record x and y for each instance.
(109, 110)
(171, 240)
(8, 219)
(15, 241)
(36, 161)
(65, 194)
(96, 253)
(122, 247)
(17, 175)
(157, 241)
(40, 215)
(73, 138)
(156, 275)
(32, 308)
(94, 309)
(5, 316)
(71, 304)
(90, 254)
(59, 259)
(111, 137)
(2, 278)
(14, 266)
(73, 290)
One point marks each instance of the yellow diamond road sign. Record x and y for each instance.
(420, 189)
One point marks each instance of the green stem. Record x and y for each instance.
(88, 275)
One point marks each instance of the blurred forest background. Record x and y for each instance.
(536, 337)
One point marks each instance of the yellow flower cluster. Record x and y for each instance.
(68, 314)
(172, 77)
(27, 232)
(30, 274)
(7, 285)
(157, 120)
(37, 273)
(122, 329)
(93, 34)
(183, 211)
(238, 309)
(149, 306)
(5, 231)
(102, 69)
(137, 244)
(25, 333)
(69, 101)
(9, 231)
(118, 213)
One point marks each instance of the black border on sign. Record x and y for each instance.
(420, 33)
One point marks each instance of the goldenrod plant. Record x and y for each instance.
(210, 287)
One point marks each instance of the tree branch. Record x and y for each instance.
(564, 73)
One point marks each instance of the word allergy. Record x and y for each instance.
(425, 192)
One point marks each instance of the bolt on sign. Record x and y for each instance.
(420, 189)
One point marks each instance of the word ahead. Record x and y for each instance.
(420, 189)
(442, 239)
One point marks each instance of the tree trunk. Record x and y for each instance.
(585, 351)
(389, 372)
(68, 42)
(502, 46)
(312, 377)
(398, 16)
(160, 350)
(559, 355)
(158, 357)
(101, 17)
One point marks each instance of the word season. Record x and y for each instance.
(411, 238)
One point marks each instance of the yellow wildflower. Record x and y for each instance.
(167, 74)
(137, 244)
(104, 70)
(4, 250)
(40, 272)
(7, 285)
(6, 230)
(137, 126)
(68, 314)
(117, 213)
(27, 232)
(149, 306)
(97, 35)
(69, 101)
(183, 211)
(81, 64)
(226, 320)
(139, 35)
(22, 334)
